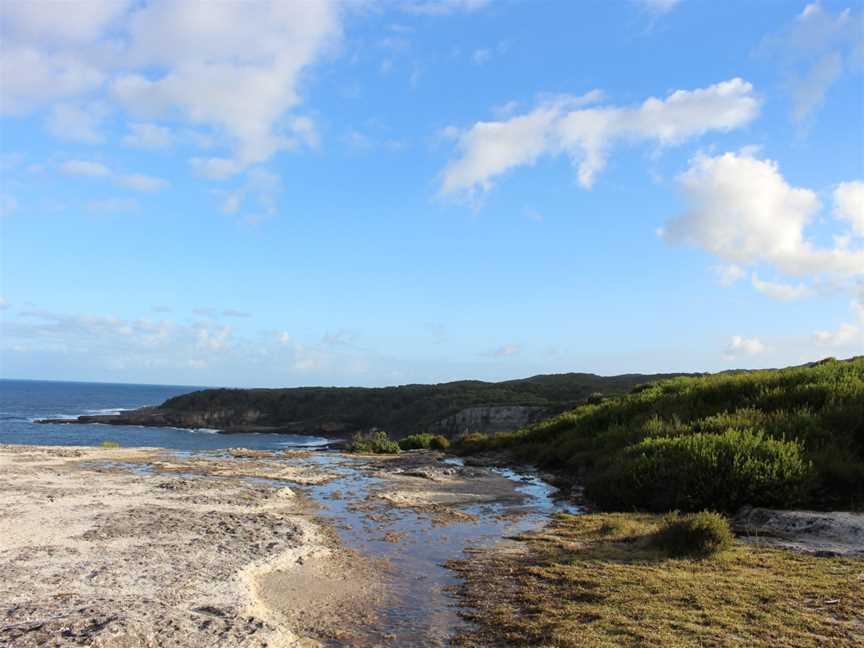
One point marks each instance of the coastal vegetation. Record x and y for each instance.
(603, 580)
(424, 441)
(403, 410)
(373, 442)
(776, 438)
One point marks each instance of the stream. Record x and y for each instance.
(419, 610)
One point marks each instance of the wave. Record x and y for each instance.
(109, 410)
(198, 430)
(58, 417)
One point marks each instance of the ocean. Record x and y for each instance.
(24, 401)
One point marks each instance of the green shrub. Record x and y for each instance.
(697, 534)
(424, 441)
(374, 442)
(109, 444)
(439, 442)
(415, 442)
(705, 471)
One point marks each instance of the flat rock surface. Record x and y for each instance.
(837, 533)
(100, 547)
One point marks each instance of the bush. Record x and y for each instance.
(697, 534)
(439, 442)
(424, 441)
(109, 444)
(705, 471)
(374, 442)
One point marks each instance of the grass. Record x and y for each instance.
(600, 581)
(781, 437)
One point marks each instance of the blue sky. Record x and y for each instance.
(374, 193)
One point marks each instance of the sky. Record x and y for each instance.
(375, 192)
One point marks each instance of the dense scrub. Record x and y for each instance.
(374, 442)
(424, 442)
(403, 410)
(773, 438)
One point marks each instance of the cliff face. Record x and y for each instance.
(489, 419)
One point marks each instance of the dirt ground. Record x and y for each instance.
(97, 550)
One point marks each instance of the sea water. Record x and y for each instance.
(22, 402)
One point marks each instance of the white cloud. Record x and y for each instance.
(67, 22)
(135, 181)
(781, 291)
(587, 135)
(813, 52)
(658, 6)
(148, 136)
(231, 66)
(844, 335)
(284, 338)
(140, 182)
(740, 345)
(505, 351)
(85, 168)
(443, 7)
(481, 56)
(849, 204)
(742, 210)
(730, 274)
(849, 335)
(260, 191)
(77, 123)
(211, 339)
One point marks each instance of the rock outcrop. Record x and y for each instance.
(490, 419)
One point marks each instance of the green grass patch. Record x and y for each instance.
(601, 581)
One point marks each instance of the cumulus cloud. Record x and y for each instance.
(140, 182)
(781, 291)
(740, 345)
(729, 274)
(85, 168)
(259, 193)
(77, 123)
(135, 181)
(230, 67)
(815, 50)
(849, 335)
(148, 136)
(849, 204)
(742, 210)
(563, 126)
